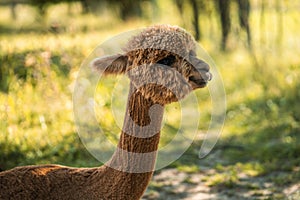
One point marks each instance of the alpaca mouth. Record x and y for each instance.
(196, 82)
(199, 80)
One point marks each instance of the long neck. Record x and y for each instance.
(133, 162)
(137, 148)
(142, 123)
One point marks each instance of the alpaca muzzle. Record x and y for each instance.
(200, 74)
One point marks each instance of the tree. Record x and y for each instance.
(223, 7)
(13, 10)
(41, 5)
(244, 13)
(195, 5)
(127, 8)
(196, 19)
(85, 6)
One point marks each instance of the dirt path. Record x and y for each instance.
(171, 184)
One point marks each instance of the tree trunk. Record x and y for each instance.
(244, 12)
(196, 19)
(130, 8)
(223, 7)
(84, 6)
(13, 10)
(262, 22)
(179, 5)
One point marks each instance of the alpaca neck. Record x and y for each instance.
(132, 165)
(138, 144)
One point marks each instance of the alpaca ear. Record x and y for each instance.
(113, 64)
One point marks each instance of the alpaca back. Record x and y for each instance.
(43, 182)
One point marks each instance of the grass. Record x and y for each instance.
(39, 67)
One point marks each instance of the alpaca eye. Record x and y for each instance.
(169, 60)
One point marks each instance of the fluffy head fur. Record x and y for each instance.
(160, 62)
(163, 37)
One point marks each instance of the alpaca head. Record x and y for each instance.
(161, 63)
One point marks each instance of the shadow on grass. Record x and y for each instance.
(269, 146)
(271, 135)
(10, 30)
(70, 151)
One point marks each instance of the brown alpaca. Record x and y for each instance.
(162, 66)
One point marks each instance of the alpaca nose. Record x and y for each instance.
(199, 64)
(203, 68)
(200, 74)
(208, 76)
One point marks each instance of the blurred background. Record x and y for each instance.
(254, 43)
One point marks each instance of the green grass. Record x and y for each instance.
(39, 67)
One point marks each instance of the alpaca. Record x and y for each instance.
(162, 66)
